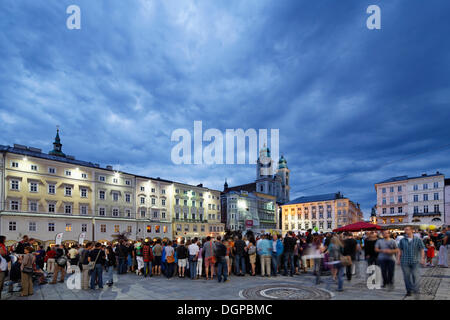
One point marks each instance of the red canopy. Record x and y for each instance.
(359, 226)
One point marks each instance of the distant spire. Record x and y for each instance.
(225, 186)
(57, 146)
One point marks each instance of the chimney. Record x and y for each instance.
(200, 185)
(109, 167)
(424, 174)
(437, 172)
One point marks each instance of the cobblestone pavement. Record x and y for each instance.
(435, 284)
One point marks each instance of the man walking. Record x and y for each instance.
(84, 262)
(289, 246)
(350, 248)
(386, 249)
(411, 250)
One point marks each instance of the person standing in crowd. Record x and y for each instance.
(229, 255)
(193, 258)
(182, 259)
(122, 253)
(20, 248)
(5, 258)
(84, 266)
(336, 250)
(147, 254)
(40, 257)
(386, 249)
(443, 251)
(208, 248)
(50, 256)
(200, 260)
(239, 252)
(110, 264)
(350, 249)
(289, 246)
(277, 251)
(430, 252)
(98, 257)
(317, 252)
(222, 268)
(157, 255)
(369, 248)
(73, 256)
(411, 253)
(251, 250)
(264, 248)
(60, 264)
(27, 261)
(169, 253)
(138, 252)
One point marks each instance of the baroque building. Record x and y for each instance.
(43, 194)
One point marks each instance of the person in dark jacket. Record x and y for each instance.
(369, 249)
(122, 253)
(350, 245)
(110, 264)
(59, 268)
(239, 255)
(289, 246)
(220, 251)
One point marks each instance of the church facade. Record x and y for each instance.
(256, 206)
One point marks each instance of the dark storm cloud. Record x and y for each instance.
(347, 100)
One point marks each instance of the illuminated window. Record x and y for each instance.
(165, 229)
(116, 228)
(157, 229)
(103, 228)
(68, 227)
(129, 229)
(149, 229)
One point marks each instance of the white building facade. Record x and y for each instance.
(411, 200)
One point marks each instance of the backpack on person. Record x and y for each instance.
(61, 261)
(252, 250)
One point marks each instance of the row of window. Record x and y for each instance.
(313, 215)
(68, 173)
(32, 227)
(200, 194)
(157, 229)
(187, 228)
(155, 214)
(415, 187)
(14, 205)
(163, 201)
(193, 204)
(416, 209)
(425, 197)
(306, 225)
(153, 190)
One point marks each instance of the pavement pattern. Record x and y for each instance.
(434, 285)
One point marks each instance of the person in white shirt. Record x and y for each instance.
(193, 258)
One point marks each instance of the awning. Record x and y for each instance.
(358, 226)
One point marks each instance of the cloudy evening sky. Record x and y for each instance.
(348, 101)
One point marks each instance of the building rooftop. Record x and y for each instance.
(403, 178)
(249, 187)
(319, 197)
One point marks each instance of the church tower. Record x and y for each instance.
(264, 175)
(284, 173)
(57, 146)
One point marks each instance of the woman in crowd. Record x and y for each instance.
(335, 250)
(28, 259)
(199, 260)
(251, 250)
(110, 265)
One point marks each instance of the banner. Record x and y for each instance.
(59, 237)
(81, 238)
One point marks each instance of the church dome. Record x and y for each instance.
(282, 163)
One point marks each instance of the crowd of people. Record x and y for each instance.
(224, 256)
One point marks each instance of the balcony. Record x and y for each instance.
(387, 214)
(426, 214)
